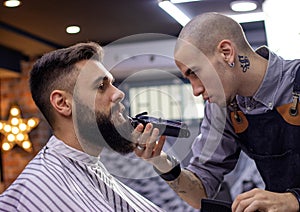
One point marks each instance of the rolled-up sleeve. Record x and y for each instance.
(215, 150)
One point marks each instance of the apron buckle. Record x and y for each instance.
(293, 109)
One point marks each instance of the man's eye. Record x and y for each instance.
(101, 86)
(190, 73)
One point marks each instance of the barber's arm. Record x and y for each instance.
(183, 182)
(214, 156)
(189, 187)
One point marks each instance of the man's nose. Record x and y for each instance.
(198, 88)
(118, 95)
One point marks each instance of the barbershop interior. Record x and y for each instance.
(138, 38)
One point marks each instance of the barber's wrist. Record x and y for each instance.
(296, 193)
(162, 162)
(173, 173)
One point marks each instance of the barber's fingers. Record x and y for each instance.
(141, 138)
(262, 200)
(147, 146)
(137, 132)
(146, 135)
(242, 204)
(243, 201)
(153, 147)
(151, 143)
(159, 146)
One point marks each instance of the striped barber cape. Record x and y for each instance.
(61, 178)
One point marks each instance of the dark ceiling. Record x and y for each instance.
(39, 26)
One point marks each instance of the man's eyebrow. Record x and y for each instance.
(102, 78)
(99, 79)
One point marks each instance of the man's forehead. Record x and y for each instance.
(187, 53)
(184, 48)
(92, 69)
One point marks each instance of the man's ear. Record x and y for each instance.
(226, 49)
(61, 102)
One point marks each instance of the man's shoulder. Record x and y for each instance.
(37, 177)
(41, 168)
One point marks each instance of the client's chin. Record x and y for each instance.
(117, 136)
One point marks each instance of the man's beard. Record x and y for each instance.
(97, 129)
(116, 137)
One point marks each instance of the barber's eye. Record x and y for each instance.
(190, 73)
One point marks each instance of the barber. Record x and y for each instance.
(252, 104)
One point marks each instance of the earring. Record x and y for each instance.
(231, 65)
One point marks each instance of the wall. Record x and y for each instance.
(283, 31)
(16, 90)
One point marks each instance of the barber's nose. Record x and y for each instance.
(198, 88)
(118, 95)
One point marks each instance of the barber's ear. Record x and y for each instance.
(226, 49)
(61, 102)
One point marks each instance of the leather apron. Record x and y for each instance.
(272, 140)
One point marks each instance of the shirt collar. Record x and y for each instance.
(60, 147)
(268, 88)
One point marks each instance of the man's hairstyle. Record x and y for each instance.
(57, 70)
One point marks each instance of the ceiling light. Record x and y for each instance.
(73, 29)
(173, 11)
(248, 17)
(182, 1)
(12, 3)
(243, 6)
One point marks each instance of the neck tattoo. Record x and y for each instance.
(245, 63)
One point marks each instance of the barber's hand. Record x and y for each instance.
(149, 147)
(265, 201)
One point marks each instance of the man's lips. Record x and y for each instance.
(117, 113)
(118, 108)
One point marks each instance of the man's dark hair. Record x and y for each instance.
(56, 70)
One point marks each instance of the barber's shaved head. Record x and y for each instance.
(205, 31)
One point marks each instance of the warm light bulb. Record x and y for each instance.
(22, 127)
(14, 111)
(73, 29)
(26, 144)
(11, 137)
(15, 130)
(14, 121)
(12, 3)
(31, 122)
(7, 128)
(6, 146)
(20, 137)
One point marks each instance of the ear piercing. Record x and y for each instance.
(231, 65)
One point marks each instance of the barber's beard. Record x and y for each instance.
(102, 132)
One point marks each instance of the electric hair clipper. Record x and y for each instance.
(166, 127)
